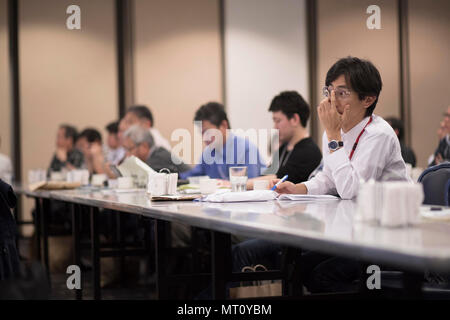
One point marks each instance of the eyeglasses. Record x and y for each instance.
(341, 93)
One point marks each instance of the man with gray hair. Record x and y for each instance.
(139, 142)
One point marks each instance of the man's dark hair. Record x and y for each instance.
(142, 112)
(396, 124)
(213, 112)
(290, 103)
(70, 132)
(91, 135)
(361, 75)
(113, 127)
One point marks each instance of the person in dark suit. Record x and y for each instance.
(407, 153)
(139, 142)
(9, 257)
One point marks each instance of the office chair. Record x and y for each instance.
(447, 194)
(436, 184)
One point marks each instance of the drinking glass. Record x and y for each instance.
(238, 179)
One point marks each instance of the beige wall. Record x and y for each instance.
(177, 64)
(66, 75)
(429, 34)
(342, 31)
(5, 114)
(265, 53)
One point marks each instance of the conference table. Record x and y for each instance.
(331, 227)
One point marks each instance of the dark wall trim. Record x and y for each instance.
(311, 16)
(222, 49)
(13, 37)
(405, 85)
(124, 44)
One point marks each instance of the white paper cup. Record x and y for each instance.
(261, 185)
(172, 180)
(113, 183)
(56, 176)
(157, 184)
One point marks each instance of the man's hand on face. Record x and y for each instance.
(330, 118)
(95, 150)
(61, 154)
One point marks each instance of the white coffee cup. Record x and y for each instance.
(208, 186)
(172, 179)
(260, 185)
(124, 183)
(98, 179)
(56, 176)
(113, 183)
(157, 184)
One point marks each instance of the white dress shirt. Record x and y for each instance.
(377, 157)
(114, 156)
(160, 141)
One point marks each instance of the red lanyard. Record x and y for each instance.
(357, 139)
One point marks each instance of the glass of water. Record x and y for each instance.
(238, 179)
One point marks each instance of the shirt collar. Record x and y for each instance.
(353, 133)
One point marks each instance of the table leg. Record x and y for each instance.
(75, 208)
(44, 226)
(220, 264)
(37, 228)
(95, 252)
(161, 259)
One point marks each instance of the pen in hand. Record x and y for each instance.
(279, 182)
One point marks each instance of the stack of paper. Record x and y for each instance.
(137, 169)
(53, 185)
(254, 195)
(307, 197)
(176, 197)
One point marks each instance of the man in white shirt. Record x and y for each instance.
(142, 116)
(357, 146)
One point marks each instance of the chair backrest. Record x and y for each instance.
(447, 194)
(436, 183)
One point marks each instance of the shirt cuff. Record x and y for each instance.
(311, 186)
(336, 160)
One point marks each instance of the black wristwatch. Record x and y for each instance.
(334, 145)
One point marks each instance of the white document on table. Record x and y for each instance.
(307, 197)
(247, 196)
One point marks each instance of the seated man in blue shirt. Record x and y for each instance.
(223, 149)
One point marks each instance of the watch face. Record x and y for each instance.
(333, 145)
